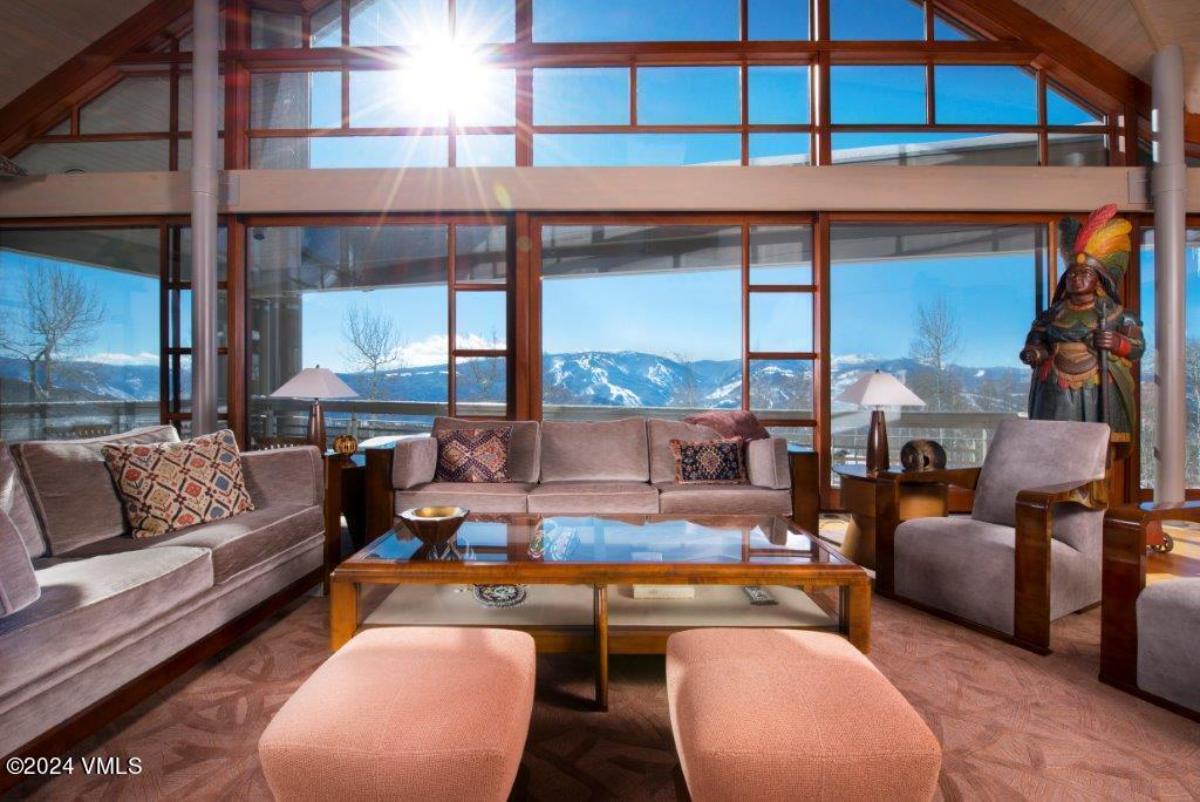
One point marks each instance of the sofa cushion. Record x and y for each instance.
(473, 455)
(767, 463)
(496, 497)
(71, 490)
(723, 500)
(414, 461)
(968, 568)
(524, 455)
(595, 451)
(18, 584)
(14, 502)
(237, 544)
(585, 498)
(660, 433)
(1027, 454)
(166, 487)
(1168, 621)
(92, 603)
(709, 461)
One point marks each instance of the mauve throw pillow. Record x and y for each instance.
(709, 461)
(731, 423)
(473, 455)
(170, 486)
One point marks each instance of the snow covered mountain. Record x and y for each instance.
(590, 378)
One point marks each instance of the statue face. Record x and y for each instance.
(1081, 280)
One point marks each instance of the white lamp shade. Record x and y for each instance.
(314, 383)
(880, 389)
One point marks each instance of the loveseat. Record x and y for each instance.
(113, 612)
(577, 467)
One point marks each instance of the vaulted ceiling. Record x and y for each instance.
(1128, 32)
(41, 36)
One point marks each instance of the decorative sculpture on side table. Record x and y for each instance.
(1084, 346)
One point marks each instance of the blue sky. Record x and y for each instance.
(130, 301)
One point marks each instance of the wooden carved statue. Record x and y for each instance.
(1082, 349)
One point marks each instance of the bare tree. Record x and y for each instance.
(486, 374)
(58, 315)
(938, 337)
(375, 342)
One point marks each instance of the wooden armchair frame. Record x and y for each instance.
(1034, 519)
(1127, 536)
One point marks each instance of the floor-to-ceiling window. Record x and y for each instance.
(945, 308)
(412, 315)
(79, 331)
(1149, 397)
(666, 318)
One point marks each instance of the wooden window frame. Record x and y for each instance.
(451, 221)
(744, 222)
(523, 55)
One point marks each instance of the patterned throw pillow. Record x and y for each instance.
(168, 486)
(709, 461)
(473, 455)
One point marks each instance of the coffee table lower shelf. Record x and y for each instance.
(604, 619)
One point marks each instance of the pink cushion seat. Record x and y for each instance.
(770, 714)
(407, 713)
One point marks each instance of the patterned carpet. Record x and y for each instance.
(1014, 725)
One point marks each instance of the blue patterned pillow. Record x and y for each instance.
(473, 455)
(709, 461)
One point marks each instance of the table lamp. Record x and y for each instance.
(315, 383)
(878, 390)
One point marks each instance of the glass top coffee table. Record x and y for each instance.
(599, 551)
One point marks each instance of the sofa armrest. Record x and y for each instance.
(414, 461)
(284, 475)
(767, 463)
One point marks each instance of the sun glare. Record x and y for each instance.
(446, 77)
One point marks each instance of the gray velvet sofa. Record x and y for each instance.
(108, 609)
(573, 467)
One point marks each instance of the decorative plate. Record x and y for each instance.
(500, 595)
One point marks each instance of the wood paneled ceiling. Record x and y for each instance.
(39, 35)
(1128, 32)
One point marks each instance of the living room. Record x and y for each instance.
(638, 400)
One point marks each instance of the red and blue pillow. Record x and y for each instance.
(473, 455)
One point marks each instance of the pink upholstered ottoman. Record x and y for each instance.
(406, 713)
(771, 714)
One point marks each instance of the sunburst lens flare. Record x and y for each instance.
(445, 77)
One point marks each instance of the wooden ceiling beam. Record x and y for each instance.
(1067, 59)
(46, 101)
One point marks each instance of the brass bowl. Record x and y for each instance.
(434, 525)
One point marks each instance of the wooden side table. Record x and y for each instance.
(804, 467)
(345, 483)
(858, 497)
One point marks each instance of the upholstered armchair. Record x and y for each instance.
(1028, 553)
(1150, 632)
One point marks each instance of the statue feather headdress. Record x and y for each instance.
(1104, 239)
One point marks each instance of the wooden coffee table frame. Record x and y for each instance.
(854, 608)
